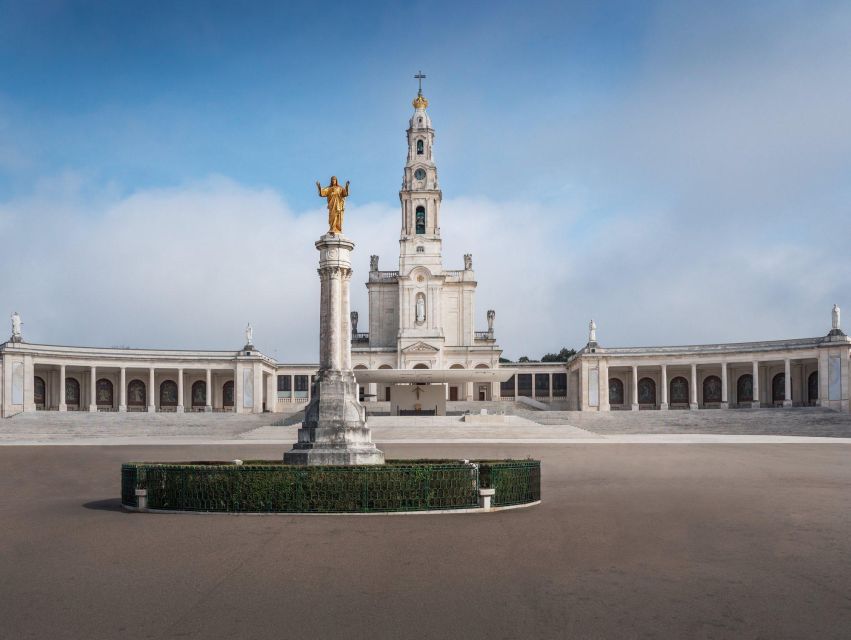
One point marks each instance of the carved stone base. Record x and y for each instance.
(334, 431)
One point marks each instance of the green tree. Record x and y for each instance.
(523, 359)
(562, 356)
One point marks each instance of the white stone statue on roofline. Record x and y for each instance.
(16, 327)
(836, 316)
(468, 261)
(491, 317)
(592, 331)
(249, 334)
(373, 263)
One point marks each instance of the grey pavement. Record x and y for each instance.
(672, 541)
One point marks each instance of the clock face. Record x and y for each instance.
(419, 174)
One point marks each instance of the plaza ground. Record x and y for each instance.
(631, 541)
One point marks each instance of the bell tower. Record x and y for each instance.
(420, 196)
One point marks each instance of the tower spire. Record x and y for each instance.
(420, 101)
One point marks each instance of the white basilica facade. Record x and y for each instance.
(422, 350)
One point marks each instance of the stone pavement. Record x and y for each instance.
(745, 425)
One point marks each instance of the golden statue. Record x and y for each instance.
(336, 195)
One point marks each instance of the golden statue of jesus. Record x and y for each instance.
(336, 195)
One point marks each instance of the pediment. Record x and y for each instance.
(420, 347)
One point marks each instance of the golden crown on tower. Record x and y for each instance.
(420, 102)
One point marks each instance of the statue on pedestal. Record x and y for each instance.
(354, 318)
(468, 262)
(835, 316)
(16, 327)
(373, 263)
(491, 318)
(592, 331)
(249, 335)
(336, 197)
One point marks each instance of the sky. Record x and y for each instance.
(678, 171)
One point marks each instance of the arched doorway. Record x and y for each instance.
(812, 388)
(647, 391)
(711, 389)
(168, 394)
(39, 392)
(137, 396)
(103, 393)
(199, 394)
(778, 388)
(744, 388)
(679, 390)
(483, 389)
(72, 392)
(615, 391)
(227, 394)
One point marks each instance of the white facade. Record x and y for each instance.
(422, 315)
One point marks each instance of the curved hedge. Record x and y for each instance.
(264, 486)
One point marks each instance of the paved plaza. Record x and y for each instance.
(652, 541)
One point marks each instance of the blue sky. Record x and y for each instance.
(677, 170)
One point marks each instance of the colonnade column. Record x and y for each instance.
(208, 402)
(692, 403)
(93, 399)
(179, 391)
(663, 405)
(756, 402)
(725, 404)
(603, 373)
(634, 388)
(516, 387)
(122, 392)
(62, 405)
(152, 405)
(534, 391)
(787, 376)
(551, 388)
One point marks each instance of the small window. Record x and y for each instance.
(421, 220)
(420, 249)
(419, 147)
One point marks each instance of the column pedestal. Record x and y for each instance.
(334, 431)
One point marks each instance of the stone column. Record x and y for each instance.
(693, 389)
(208, 402)
(787, 376)
(151, 391)
(122, 392)
(93, 400)
(725, 404)
(237, 389)
(372, 390)
(551, 388)
(62, 405)
(334, 431)
(634, 388)
(756, 402)
(516, 386)
(604, 385)
(534, 390)
(663, 405)
(179, 407)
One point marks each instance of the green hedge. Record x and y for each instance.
(260, 486)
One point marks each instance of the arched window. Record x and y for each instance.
(647, 391)
(421, 249)
(679, 390)
(227, 394)
(778, 388)
(744, 388)
(136, 394)
(421, 226)
(38, 391)
(103, 392)
(420, 365)
(72, 391)
(199, 393)
(812, 388)
(711, 389)
(420, 148)
(615, 391)
(168, 394)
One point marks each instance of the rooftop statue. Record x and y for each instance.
(836, 316)
(16, 326)
(336, 197)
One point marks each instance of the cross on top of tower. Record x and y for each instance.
(420, 102)
(420, 76)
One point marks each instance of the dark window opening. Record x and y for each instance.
(421, 226)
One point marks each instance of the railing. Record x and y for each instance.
(383, 275)
(293, 400)
(483, 335)
(454, 273)
(360, 337)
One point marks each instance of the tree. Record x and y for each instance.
(504, 360)
(562, 356)
(523, 359)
